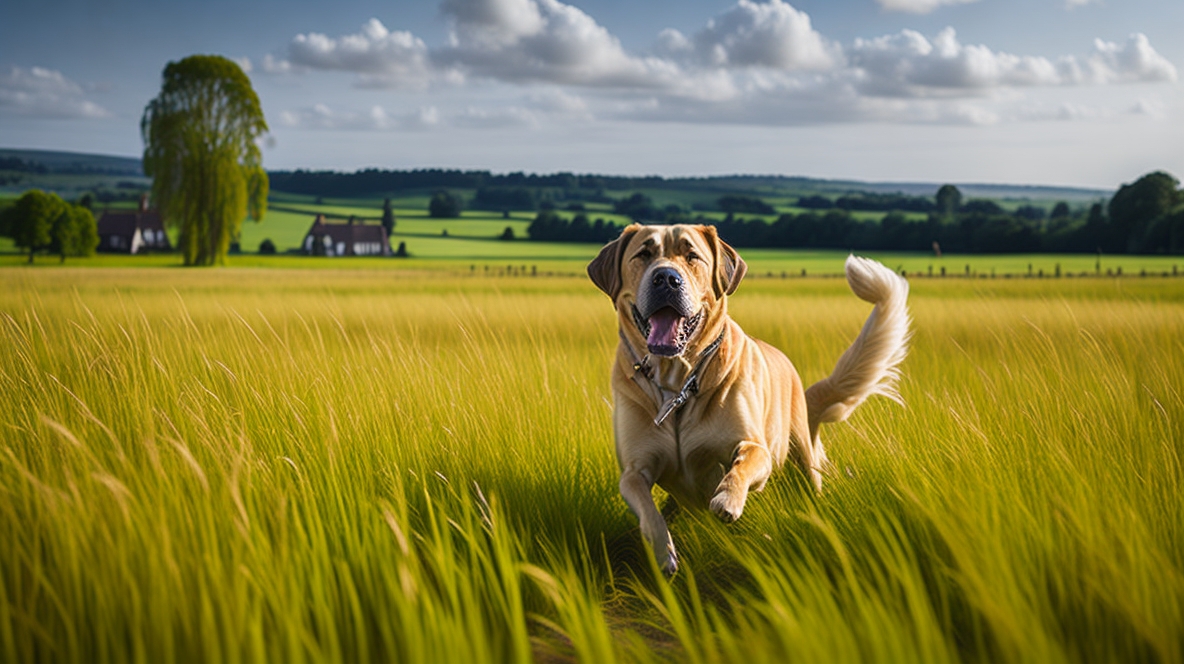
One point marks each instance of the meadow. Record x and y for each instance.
(360, 464)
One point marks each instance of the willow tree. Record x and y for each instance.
(200, 147)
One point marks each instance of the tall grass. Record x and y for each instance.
(345, 466)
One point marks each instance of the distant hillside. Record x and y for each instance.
(68, 163)
(376, 181)
(803, 186)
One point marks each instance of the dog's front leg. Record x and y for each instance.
(751, 466)
(637, 489)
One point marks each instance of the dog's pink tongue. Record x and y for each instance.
(664, 329)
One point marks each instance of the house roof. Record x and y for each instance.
(126, 223)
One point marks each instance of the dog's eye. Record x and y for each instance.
(644, 255)
(692, 257)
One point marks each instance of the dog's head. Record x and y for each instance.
(668, 282)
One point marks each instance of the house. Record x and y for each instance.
(132, 232)
(348, 238)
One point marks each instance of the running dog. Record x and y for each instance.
(702, 409)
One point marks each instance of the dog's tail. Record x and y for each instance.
(870, 365)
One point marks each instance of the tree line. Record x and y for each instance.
(40, 221)
(1146, 216)
(373, 180)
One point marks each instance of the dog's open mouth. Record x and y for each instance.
(667, 331)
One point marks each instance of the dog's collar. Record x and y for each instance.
(689, 388)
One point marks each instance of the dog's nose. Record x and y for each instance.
(667, 277)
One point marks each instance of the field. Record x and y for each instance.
(380, 464)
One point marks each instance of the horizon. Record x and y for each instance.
(789, 176)
(1062, 93)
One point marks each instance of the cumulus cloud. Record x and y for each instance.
(771, 34)
(375, 52)
(757, 62)
(45, 93)
(543, 40)
(908, 64)
(1133, 62)
(925, 6)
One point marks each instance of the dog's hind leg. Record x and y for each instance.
(751, 466)
(637, 489)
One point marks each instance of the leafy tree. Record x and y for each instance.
(815, 202)
(388, 217)
(981, 206)
(1135, 207)
(30, 220)
(637, 207)
(74, 232)
(200, 148)
(744, 205)
(504, 198)
(444, 205)
(1030, 212)
(948, 199)
(267, 247)
(1060, 210)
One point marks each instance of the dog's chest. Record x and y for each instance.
(701, 456)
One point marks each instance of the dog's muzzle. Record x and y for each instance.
(665, 313)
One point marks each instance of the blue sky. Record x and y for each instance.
(1067, 92)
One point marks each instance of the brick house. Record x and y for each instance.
(347, 238)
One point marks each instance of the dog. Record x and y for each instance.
(700, 408)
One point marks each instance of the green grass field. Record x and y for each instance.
(400, 465)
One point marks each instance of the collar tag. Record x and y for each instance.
(689, 389)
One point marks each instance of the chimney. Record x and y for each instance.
(351, 220)
(320, 219)
(143, 202)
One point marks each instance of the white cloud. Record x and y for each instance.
(771, 34)
(908, 64)
(488, 118)
(1133, 62)
(392, 58)
(273, 65)
(321, 116)
(924, 6)
(493, 24)
(544, 41)
(1074, 4)
(45, 93)
(324, 117)
(756, 63)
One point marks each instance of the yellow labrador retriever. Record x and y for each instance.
(702, 409)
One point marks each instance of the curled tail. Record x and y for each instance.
(870, 365)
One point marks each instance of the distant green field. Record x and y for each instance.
(472, 245)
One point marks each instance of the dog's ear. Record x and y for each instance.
(605, 269)
(729, 267)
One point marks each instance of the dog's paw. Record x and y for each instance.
(670, 564)
(728, 505)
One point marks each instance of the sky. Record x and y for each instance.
(1053, 92)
